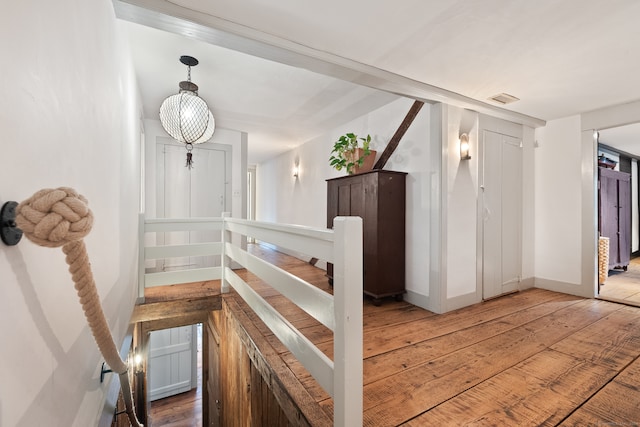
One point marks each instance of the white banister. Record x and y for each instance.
(294, 237)
(347, 337)
(340, 312)
(314, 301)
(141, 258)
(159, 225)
(182, 276)
(182, 224)
(314, 360)
(193, 249)
(226, 237)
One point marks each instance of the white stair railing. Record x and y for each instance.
(340, 312)
(147, 253)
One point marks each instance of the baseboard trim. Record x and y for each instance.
(460, 301)
(564, 287)
(527, 283)
(417, 299)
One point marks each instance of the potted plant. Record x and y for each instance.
(348, 154)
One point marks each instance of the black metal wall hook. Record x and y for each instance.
(9, 231)
(104, 371)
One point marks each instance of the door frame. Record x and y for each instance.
(512, 130)
(591, 123)
(193, 361)
(142, 343)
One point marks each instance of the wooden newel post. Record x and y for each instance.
(347, 293)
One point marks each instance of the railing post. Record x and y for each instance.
(141, 260)
(224, 259)
(347, 294)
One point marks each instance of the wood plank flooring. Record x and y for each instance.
(530, 358)
(623, 286)
(156, 294)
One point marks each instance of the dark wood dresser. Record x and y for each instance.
(378, 197)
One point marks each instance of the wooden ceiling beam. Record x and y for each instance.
(395, 139)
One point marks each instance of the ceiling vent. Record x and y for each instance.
(504, 98)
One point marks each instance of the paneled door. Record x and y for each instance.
(172, 361)
(197, 192)
(501, 192)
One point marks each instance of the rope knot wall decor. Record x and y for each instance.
(55, 217)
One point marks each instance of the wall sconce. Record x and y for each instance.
(464, 147)
(137, 362)
(296, 171)
(134, 361)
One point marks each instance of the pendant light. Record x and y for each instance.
(185, 116)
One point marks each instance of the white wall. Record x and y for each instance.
(442, 249)
(282, 198)
(462, 241)
(558, 214)
(461, 207)
(69, 115)
(528, 206)
(566, 202)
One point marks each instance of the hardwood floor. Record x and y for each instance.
(623, 286)
(531, 358)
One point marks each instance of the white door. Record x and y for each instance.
(502, 214)
(172, 361)
(197, 192)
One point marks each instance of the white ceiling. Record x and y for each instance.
(279, 106)
(559, 57)
(624, 138)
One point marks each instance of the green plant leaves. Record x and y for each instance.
(343, 153)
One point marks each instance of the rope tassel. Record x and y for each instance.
(61, 217)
